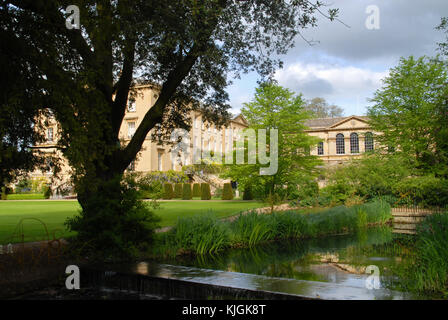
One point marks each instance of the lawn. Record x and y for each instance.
(54, 213)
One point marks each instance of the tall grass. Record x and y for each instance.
(429, 270)
(206, 234)
(200, 234)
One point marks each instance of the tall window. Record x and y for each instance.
(131, 129)
(159, 161)
(131, 106)
(50, 134)
(340, 144)
(368, 142)
(320, 148)
(354, 143)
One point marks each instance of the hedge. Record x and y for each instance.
(196, 190)
(227, 192)
(178, 190)
(186, 191)
(205, 191)
(168, 192)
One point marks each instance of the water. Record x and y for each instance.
(339, 260)
(325, 268)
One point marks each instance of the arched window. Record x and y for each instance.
(354, 143)
(340, 144)
(368, 142)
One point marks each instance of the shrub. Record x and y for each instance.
(205, 191)
(4, 196)
(47, 192)
(178, 190)
(168, 192)
(227, 193)
(196, 190)
(110, 229)
(186, 191)
(247, 193)
(151, 185)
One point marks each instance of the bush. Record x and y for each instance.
(178, 190)
(247, 193)
(47, 192)
(227, 192)
(205, 191)
(108, 228)
(4, 196)
(186, 191)
(168, 192)
(196, 190)
(151, 185)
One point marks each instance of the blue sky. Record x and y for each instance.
(348, 63)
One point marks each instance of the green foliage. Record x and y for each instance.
(205, 191)
(227, 193)
(178, 189)
(428, 271)
(252, 228)
(410, 111)
(389, 176)
(4, 196)
(247, 193)
(47, 192)
(196, 190)
(168, 192)
(151, 184)
(200, 234)
(186, 191)
(103, 234)
(278, 108)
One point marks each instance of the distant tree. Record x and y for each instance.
(321, 109)
(443, 26)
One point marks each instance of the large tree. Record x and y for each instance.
(189, 49)
(275, 107)
(411, 112)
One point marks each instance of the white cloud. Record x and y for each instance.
(331, 82)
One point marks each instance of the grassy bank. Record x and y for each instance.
(428, 270)
(207, 234)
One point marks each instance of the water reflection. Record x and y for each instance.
(337, 259)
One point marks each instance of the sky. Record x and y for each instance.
(347, 62)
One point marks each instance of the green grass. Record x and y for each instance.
(428, 271)
(25, 196)
(54, 213)
(197, 234)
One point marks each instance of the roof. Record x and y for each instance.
(330, 122)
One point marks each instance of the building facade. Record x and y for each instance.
(343, 138)
(154, 156)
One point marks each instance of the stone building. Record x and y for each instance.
(343, 138)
